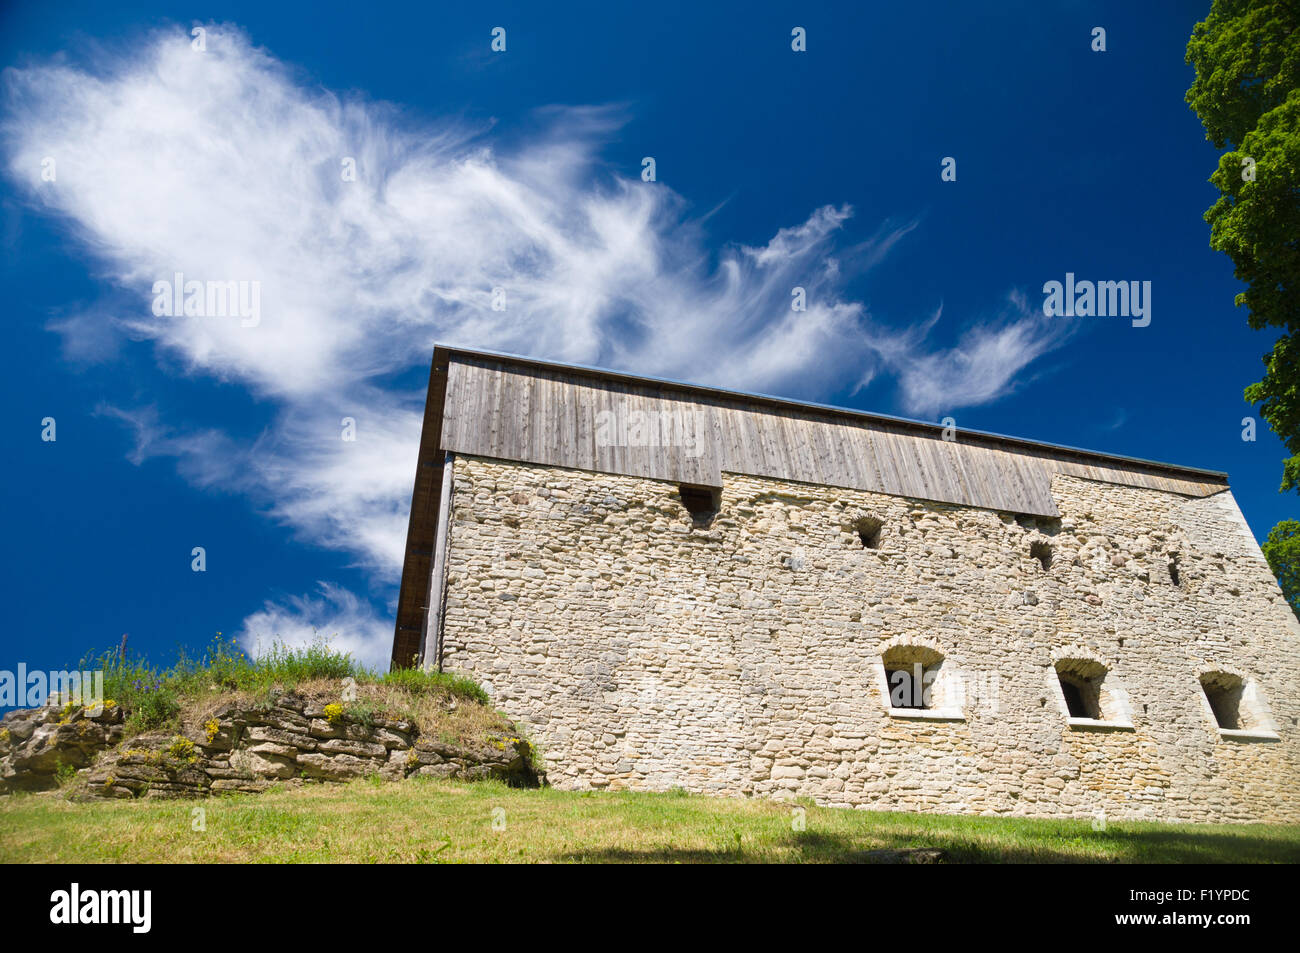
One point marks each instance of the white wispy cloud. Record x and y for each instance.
(982, 366)
(223, 165)
(333, 616)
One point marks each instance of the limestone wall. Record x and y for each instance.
(744, 658)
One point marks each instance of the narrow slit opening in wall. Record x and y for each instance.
(1173, 571)
(868, 529)
(1042, 552)
(701, 502)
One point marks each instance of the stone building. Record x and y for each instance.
(675, 586)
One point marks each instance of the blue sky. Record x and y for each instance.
(522, 170)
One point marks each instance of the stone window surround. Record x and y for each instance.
(1264, 729)
(947, 709)
(1116, 695)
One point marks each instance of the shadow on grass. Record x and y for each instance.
(1201, 847)
(892, 847)
(814, 847)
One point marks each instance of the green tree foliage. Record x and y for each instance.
(1282, 550)
(1247, 94)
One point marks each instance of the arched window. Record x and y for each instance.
(1080, 682)
(1223, 690)
(1088, 694)
(914, 683)
(1235, 703)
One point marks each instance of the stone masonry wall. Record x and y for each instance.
(741, 659)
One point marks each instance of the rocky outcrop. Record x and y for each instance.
(244, 747)
(38, 744)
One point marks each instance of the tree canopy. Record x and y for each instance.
(1247, 94)
(1282, 550)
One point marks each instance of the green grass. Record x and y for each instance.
(155, 697)
(417, 682)
(437, 821)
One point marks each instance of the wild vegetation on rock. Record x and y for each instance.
(227, 722)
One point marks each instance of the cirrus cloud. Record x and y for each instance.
(223, 165)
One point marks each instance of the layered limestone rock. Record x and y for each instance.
(37, 743)
(242, 747)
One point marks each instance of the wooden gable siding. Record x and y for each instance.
(550, 418)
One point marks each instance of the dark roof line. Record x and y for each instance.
(600, 373)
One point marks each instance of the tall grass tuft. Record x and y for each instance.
(419, 682)
(152, 695)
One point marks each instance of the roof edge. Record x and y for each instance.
(600, 373)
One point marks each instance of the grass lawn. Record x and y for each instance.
(438, 821)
